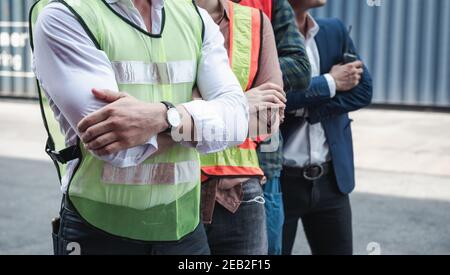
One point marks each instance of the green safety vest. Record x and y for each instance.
(244, 52)
(159, 199)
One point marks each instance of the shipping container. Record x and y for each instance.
(16, 76)
(404, 43)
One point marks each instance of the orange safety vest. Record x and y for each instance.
(244, 53)
(264, 5)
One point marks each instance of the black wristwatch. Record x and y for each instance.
(173, 116)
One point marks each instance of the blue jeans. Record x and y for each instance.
(274, 215)
(243, 232)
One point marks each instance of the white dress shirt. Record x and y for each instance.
(68, 66)
(308, 143)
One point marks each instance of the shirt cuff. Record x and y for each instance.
(153, 143)
(211, 132)
(151, 148)
(331, 85)
(133, 156)
(148, 148)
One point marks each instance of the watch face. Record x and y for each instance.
(174, 118)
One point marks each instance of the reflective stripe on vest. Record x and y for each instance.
(245, 43)
(264, 5)
(159, 173)
(244, 51)
(158, 200)
(135, 72)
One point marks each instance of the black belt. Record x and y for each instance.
(311, 172)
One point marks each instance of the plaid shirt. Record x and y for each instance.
(296, 72)
(291, 48)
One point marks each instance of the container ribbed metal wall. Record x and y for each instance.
(406, 45)
(16, 77)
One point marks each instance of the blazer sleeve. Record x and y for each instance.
(317, 94)
(345, 102)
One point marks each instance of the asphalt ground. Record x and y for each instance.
(401, 204)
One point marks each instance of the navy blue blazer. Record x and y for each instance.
(332, 41)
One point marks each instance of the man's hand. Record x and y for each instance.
(267, 104)
(268, 95)
(125, 123)
(347, 76)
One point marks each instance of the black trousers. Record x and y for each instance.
(75, 237)
(325, 213)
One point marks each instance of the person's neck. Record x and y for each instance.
(213, 8)
(144, 8)
(302, 20)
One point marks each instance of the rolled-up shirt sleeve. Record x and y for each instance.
(221, 118)
(68, 66)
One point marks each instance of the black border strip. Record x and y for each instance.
(81, 21)
(201, 18)
(50, 145)
(163, 22)
(50, 142)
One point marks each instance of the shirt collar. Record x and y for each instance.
(313, 28)
(157, 4)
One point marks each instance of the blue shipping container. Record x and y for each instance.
(405, 43)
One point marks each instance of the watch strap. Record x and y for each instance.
(168, 106)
